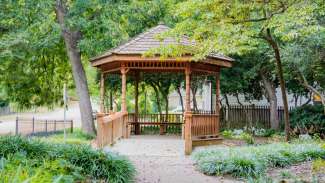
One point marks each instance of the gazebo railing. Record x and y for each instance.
(111, 127)
(164, 122)
(204, 124)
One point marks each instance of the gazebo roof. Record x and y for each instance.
(146, 41)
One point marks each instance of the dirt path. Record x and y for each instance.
(160, 159)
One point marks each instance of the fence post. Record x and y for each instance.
(46, 127)
(33, 121)
(16, 126)
(71, 126)
(54, 125)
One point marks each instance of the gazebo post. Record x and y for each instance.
(218, 101)
(102, 92)
(123, 97)
(136, 107)
(188, 113)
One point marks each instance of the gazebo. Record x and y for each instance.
(128, 60)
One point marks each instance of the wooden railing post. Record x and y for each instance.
(188, 133)
(100, 127)
(188, 113)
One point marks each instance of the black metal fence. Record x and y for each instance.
(5, 111)
(34, 126)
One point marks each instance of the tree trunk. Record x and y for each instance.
(271, 97)
(238, 101)
(157, 99)
(276, 50)
(194, 90)
(111, 100)
(180, 98)
(227, 100)
(71, 39)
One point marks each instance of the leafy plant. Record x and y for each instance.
(248, 138)
(92, 164)
(252, 161)
(308, 119)
(227, 134)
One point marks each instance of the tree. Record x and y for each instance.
(72, 37)
(240, 27)
(307, 58)
(32, 32)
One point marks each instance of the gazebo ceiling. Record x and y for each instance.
(133, 50)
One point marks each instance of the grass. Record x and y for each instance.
(77, 137)
(253, 161)
(25, 159)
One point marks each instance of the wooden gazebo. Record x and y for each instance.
(128, 59)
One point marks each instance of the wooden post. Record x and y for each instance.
(218, 101)
(136, 107)
(123, 102)
(102, 92)
(188, 113)
(100, 126)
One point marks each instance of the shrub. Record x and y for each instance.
(93, 164)
(18, 168)
(308, 119)
(252, 161)
(227, 134)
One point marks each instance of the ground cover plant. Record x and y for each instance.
(25, 159)
(253, 161)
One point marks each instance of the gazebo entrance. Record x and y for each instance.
(198, 128)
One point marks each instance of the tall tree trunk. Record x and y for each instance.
(194, 90)
(180, 98)
(227, 100)
(111, 100)
(271, 97)
(71, 39)
(157, 98)
(308, 100)
(238, 101)
(268, 37)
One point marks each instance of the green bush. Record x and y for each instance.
(252, 161)
(92, 164)
(308, 119)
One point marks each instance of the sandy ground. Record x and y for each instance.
(161, 159)
(7, 123)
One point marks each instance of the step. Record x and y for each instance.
(206, 140)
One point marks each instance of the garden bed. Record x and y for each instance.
(254, 161)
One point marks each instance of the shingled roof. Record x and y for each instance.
(146, 41)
